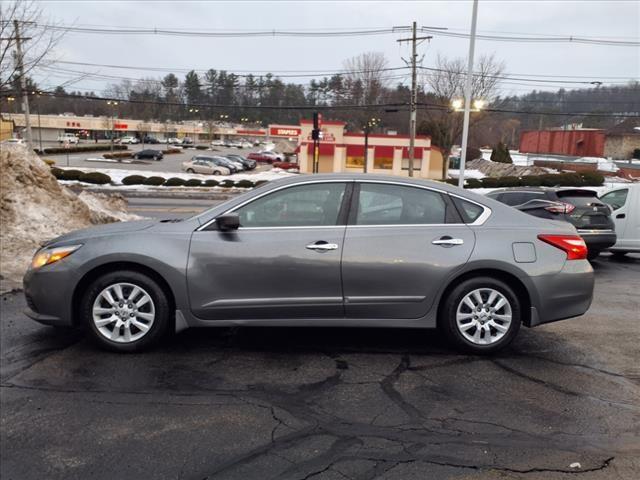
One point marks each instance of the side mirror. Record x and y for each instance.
(228, 222)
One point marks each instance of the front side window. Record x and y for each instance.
(381, 204)
(316, 204)
(616, 199)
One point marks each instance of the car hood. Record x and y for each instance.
(102, 230)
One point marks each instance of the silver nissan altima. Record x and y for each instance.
(336, 250)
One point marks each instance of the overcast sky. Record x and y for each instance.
(614, 20)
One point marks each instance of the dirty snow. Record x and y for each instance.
(34, 208)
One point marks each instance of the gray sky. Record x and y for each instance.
(613, 20)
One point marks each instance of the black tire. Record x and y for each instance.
(216, 172)
(592, 254)
(618, 254)
(447, 315)
(163, 314)
(136, 157)
(190, 170)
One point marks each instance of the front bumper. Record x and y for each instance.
(48, 292)
(565, 294)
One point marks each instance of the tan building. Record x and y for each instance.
(623, 139)
(342, 151)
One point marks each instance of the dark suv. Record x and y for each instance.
(580, 207)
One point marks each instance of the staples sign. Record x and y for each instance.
(284, 132)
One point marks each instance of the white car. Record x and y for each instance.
(246, 144)
(625, 205)
(68, 138)
(130, 140)
(207, 167)
(13, 141)
(217, 143)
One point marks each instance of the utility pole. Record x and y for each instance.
(23, 83)
(414, 91)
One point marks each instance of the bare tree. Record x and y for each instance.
(39, 35)
(445, 83)
(368, 71)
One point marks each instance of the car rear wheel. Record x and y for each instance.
(126, 311)
(481, 315)
(216, 172)
(190, 170)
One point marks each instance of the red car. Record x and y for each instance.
(286, 165)
(268, 157)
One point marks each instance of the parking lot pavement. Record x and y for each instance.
(170, 163)
(253, 403)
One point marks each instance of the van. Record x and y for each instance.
(624, 202)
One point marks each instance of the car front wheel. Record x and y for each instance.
(190, 170)
(126, 311)
(481, 315)
(216, 172)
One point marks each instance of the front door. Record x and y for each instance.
(401, 243)
(283, 261)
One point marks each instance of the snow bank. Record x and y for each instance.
(34, 207)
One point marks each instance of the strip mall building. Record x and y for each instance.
(340, 150)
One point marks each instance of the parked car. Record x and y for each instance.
(246, 163)
(235, 144)
(265, 156)
(217, 143)
(186, 141)
(13, 141)
(154, 154)
(173, 141)
(352, 250)
(68, 138)
(286, 165)
(245, 144)
(579, 207)
(149, 139)
(129, 140)
(206, 167)
(232, 165)
(624, 202)
(220, 161)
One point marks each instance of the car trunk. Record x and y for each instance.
(589, 213)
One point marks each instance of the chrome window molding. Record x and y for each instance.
(486, 213)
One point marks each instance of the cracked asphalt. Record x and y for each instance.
(286, 403)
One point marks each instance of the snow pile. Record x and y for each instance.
(34, 207)
(497, 169)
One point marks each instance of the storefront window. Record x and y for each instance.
(383, 162)
(355, 162)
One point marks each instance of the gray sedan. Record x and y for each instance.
(321, 250)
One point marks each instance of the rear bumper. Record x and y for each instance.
(598, 240)
(563, 295)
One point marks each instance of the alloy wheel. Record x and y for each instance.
(123, 312)
(483, 316)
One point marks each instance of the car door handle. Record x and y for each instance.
(322, 246)
(448, 241)
(621, 215)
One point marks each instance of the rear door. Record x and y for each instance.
(589, 212)
(401, 242)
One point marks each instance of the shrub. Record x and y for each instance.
(471, 183)
(117, 155)
(71, 174)
(260, 182)
(97, 178)
(193, 182)
(491, 182)
(154, 181)
(473, 154)
(210, 183)
(133, 180)
(49, 162)
(58, 173)
(201, 147)
(83, 149)
(227, 183)
(244, 184)
(451, 181)
(531, 181)
(170, 151)
(501, 154)
(592, 179)
(174, 182)
(510, 182)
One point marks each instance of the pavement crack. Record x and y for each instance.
(388, 387)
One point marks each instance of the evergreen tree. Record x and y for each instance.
(501, 154)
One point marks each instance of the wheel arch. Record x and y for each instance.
(510, 279)
(87, 279)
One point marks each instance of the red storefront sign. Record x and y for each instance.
(120, 126)
(285, 131)
(250, 132)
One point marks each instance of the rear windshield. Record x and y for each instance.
(579, 197)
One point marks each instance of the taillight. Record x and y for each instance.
(573, 245)
(560, 207)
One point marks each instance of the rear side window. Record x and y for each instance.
(615, 199)
(518, 198)
(469, 212)
(386, 204)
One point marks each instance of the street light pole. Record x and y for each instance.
(467, 96)
(112, 105)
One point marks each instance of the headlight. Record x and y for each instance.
(47, 256)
